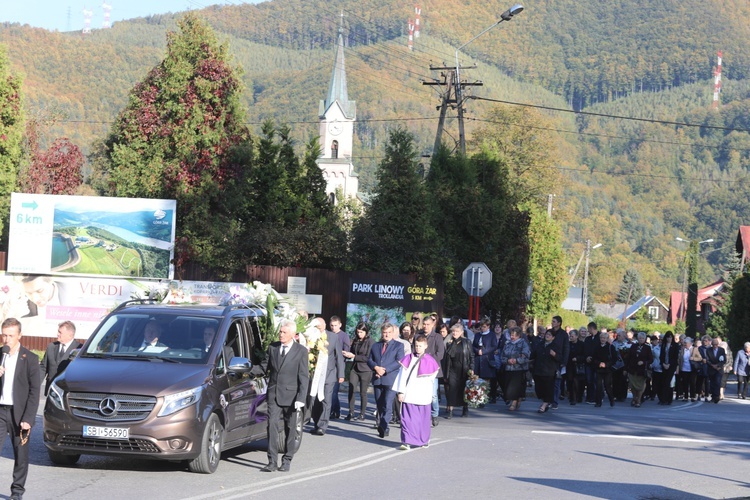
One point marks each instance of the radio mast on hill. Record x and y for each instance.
(410, 40)
(717, 81)
(417, 21)
(87, 15)
(107, 13)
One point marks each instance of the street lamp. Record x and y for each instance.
(585, 298)
(505, 16)
(691, 272)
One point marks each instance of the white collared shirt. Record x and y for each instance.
(10, 376)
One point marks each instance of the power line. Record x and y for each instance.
(604, 115)
(610, 136)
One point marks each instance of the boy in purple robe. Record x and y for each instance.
(414, 387)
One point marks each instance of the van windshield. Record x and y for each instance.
(154, 336)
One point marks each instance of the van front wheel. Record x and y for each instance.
(213, 437)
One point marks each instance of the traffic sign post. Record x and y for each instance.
(476, 280)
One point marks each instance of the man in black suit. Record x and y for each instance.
(288, 380)
(321, 407)
(716, 356)
(20, 383)
(56, 358)
(384, 358)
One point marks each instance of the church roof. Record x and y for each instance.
(337, 89)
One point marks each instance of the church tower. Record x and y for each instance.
(337, 114)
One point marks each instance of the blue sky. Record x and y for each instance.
(53, 14)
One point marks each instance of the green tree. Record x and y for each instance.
(176, 139)
(396, 235)
(520, 139)
(287, 218)
(718, 322)
(631, 288)
(738, 318)
(546, 265)
(11, 130)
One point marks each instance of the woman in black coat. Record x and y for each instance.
(668, 359)
(545, 369)
(458, 360)
(361, 374)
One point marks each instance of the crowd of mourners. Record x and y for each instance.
(408, 364)
(585, 365)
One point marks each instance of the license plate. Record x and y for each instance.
(106, 432)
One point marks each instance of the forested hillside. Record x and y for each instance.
(631, 185)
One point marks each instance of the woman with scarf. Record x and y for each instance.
(639, 360)
(515, 358)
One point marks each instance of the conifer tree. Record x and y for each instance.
(631, 288)
(396, 235)
(175, 139)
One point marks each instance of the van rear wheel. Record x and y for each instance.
(59, 458)
(213, 437)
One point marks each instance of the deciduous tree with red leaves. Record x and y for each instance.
(11, 129)
(54, 171)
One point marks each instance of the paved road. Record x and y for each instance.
(684, 451)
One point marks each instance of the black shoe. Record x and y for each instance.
(434, 421)
(449, 415)
(597, 405)
(361, 416)
(16, 496)
(285, 466)
(611, 403)
(318, 431)
(334, 416)
(554, 406)
(348, 417)
(393, 420)
(465, 412)
(271, 467)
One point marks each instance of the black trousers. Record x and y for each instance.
(20, 453)
(282, 417)
(604, 385)
(362, 381)
(384, 397)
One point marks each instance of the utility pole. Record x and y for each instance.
(451, 97)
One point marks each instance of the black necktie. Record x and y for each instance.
(283, 351)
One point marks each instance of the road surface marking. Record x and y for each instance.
(645, 438)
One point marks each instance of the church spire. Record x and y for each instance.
(337, 89)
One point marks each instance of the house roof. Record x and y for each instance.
(643, 301)
(678, 299)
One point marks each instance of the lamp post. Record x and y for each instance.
(691, 278)
(585, 298)
(505, 16)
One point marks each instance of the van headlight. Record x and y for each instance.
(55, 396)
(178, 401)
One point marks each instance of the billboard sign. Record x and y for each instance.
(389, 298)
(91, 236)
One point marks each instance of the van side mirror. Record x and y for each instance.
(240, 365)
